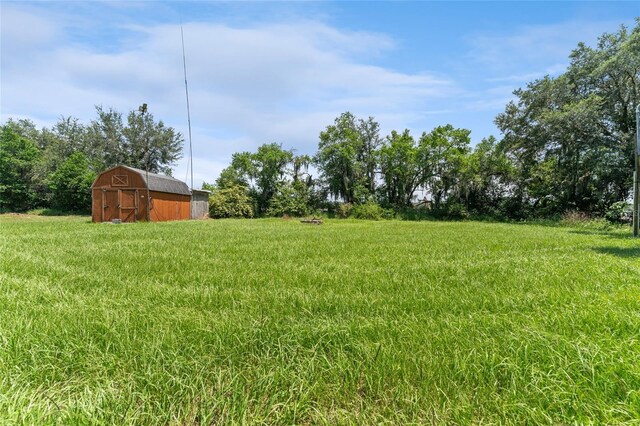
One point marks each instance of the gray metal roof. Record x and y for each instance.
(162, 183)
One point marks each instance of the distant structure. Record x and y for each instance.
(199, 203)
(120, 193)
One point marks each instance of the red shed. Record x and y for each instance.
(121, 193)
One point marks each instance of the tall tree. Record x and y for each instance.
(106, 136)
(264, 170)
(150, 143)
(571, 137)
(70, 184)
(487, 178)
(443, 155)
(400, 169)
(18, 159)
(346, 157)
(139, 142)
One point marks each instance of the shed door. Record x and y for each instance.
(110, 209)
(128, 205)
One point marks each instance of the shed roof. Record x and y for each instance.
(162, 183)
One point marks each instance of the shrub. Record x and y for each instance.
(343, 210)
(230, 202)
(457, 211)
(370, 211)
(620, 212)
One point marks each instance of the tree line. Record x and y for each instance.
(55, 167)
(567, 145)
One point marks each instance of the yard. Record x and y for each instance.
(276, 322)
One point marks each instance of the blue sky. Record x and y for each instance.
(282, 71)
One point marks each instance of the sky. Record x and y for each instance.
(262, 72)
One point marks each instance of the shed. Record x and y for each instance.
(121, 193)
(199, 203)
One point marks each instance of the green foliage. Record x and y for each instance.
(401, 169)
(444, 152)
(291, 199)
(620, 212)
(346, 157)
(35, 171)
(571, 137)
(230, 202)
(18, 160)
(369, 211)
(230, 177)
(208, 186)
(265, 169)
(139, 142)
(343, 210)
(70, 184)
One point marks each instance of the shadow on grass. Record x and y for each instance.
(54, 212)
(617, 234)
(625, 252)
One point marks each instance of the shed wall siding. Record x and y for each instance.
(199, 205)
(166, 207)
(129, 202)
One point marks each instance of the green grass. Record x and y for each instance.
(276, 322)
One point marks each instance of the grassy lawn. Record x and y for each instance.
(276, 322)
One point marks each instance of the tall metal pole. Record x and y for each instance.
(186, 89)
(636, 175)
(143, 110)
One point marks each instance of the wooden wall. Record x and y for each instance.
(169, 206)
(121, 193)
(199, 204)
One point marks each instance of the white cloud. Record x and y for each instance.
(248, 85)
(23, 31)
(533, 45)
(253, 83)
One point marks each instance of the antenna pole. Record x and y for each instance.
(636, 177)
(186, 90)
(143, 110)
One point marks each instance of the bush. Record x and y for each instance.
(343, 210)
(370, 211)
(230, 202)
(457, 211)
(415, 214)
(620, 212)
(451, 210)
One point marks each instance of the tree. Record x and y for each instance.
(18, 159)
(400, 169)
(265, 171)
(107, 140)
(346, 157)
(151, 143)
(71, 183)
(571, 138)
(442, 154)
(140, 142)
(291, 199)
(370, 142)
(230, 177)
(487, 178)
